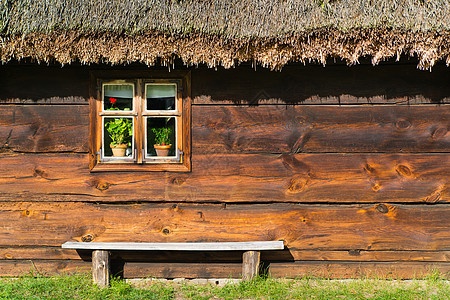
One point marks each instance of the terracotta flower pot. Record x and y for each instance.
(162, 150)
(119, 150)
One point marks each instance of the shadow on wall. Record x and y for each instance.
(393, 83)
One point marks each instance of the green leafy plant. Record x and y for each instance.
(162, 135)
(120, 131)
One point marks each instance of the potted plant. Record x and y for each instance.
(162, 141)
(120, 131)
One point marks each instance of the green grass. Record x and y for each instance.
(81, 287)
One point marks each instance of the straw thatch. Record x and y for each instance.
(224, 32)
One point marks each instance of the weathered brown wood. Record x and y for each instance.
(220, 270)
(250, 264)
(267, 129)
(303, 227)
(56, 253)
(100, 268)
(295, 129)
(42, 267)
(338, 84)
(326, 178)
(51, 128)
(27, 84)
(339, 270)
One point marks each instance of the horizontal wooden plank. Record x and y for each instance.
(295, 129)
(36, 128)
(302, 227)
(223, 246)
(34, 84)
(301, 178)
(393, 270)
(267, 129)
(337, 270)
(338, 84)
(57, 253)
(42, 267)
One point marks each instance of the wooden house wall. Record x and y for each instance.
(349, 166)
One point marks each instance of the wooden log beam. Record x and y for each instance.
(295, 129)
(263, 129)
(56, 253)
(379, 227)
(302, 178)
(338, 85)
(49, 128)
(27, 84)
(339, 270)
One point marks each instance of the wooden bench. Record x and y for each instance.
(101, 257)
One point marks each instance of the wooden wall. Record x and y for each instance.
(348, 165)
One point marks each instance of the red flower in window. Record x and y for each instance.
(112, 100)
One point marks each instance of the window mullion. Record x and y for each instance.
(139, 130)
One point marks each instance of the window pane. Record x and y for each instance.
(161, 131)
(118, 134)
(118, 97)
(160, 96)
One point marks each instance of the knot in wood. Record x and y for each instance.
(369, 169)
(88, 238)
(382, 208)
(177, 180)
(434, 198)
(354, 252)
(439, 133)
(403, 124)
(403, 170)
(103, 186)
(27, 213)
(296, 185)
(166, 231)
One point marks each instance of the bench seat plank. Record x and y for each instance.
(222, 246)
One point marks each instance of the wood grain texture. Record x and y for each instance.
(44, 128)
(265, 129)
(42, 267)
(56, 253)
(337, 270)
(295, 129)
(380, 227)
(100, 268)
(250, 264)
(34, 84)
(301, 178)
(223, 246)
(335, 84)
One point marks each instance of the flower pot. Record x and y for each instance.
(162, 150)
(119, 150)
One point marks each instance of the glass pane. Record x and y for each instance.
(118, 97)
(118, 134)
(160, 96)
(161, 136)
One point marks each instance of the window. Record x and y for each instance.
(140, 123)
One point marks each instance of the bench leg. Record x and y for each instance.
(100, 268)
(250, 264)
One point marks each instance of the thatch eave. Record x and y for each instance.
(213, 50)
(271, 33)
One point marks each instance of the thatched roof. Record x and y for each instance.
(224, 32)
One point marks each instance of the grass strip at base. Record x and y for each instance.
(81, 287)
